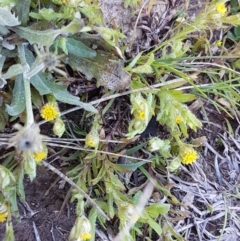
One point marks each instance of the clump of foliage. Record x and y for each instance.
(33, 59)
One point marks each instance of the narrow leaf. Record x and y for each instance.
(18, 102)
(13, 70)
(23, 7)
(79, 49)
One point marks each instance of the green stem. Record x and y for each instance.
(30, 119)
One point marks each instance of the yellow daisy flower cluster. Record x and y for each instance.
(50, 111)
(221, 8)
(188, 155)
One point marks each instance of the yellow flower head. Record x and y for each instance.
(188, 155)
(178, 119)
(3, 217)
(92, 139)
(50, 111)
(39, 156)
(221, 8)
(139, 114)
(86, 236)
(219, 43)
(3, 212)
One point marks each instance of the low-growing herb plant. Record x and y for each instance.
(33, 64)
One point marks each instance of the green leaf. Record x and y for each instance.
(46, 13)
(3, 118)
(136, 148)
(13, 71)
(47, 37)
(61, 94)
(23, 7)
(79, 49)
(29, 166)
(42, 38)
(116, 182)
(154, 225)
(133, 166)
(45, 86)
(20, 186)
(9, 233)
(36, 98)
(18, 102)
(7, 18)
(156, 209)
(100, 175)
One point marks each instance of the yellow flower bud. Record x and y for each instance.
(81, 230)
(59, 127)
(139, 114)
(92, 139)
(178, 119)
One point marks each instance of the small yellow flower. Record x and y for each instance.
(139, 114)
(188, 155)
(178, 119)
(221, 8)
(3, 212)
(86, 236)
(50, 111)
(81, 230)
(3, 217)
(219, 43)
(39, 156)
(92, 139)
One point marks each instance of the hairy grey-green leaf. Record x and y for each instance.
(13, 71)
(38, 80)
(42, 38)
(45, 86)
(47, 37)
(18, 98)
(2, 60)
(7, 18)
(61, 94)
(23, 7)
(79, 49)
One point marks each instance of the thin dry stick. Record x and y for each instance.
(92, 150)
(53, 169)
(151, 87)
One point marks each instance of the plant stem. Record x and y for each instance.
(30, 119)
